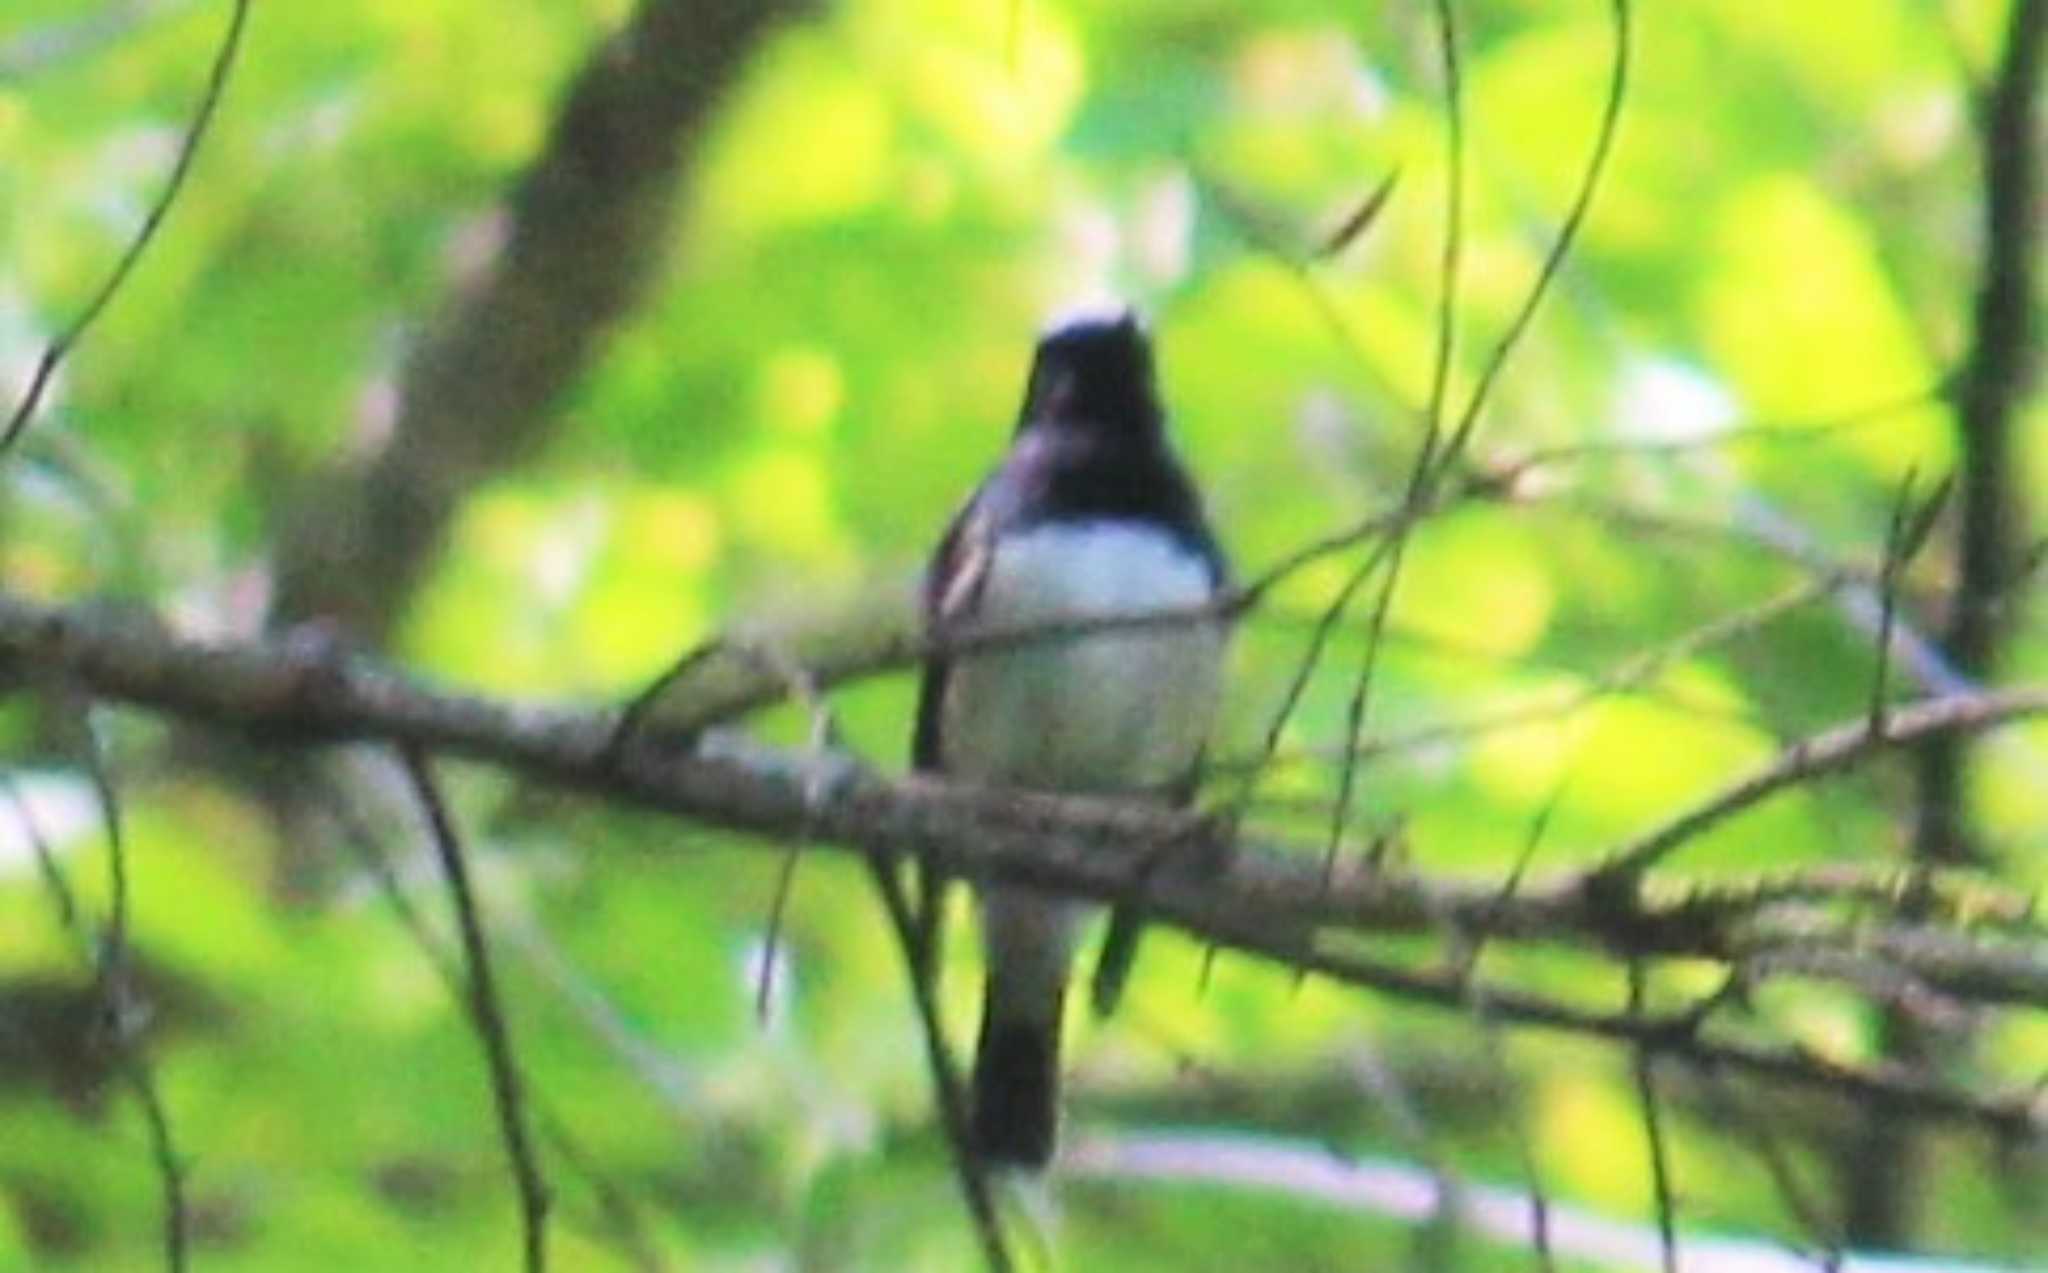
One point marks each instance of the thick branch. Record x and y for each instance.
(1254, 897)
(1882, 1164)
(1989, 393)
(585, 237)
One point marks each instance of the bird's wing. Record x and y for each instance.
(952, 587)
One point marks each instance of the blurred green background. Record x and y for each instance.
(874, 221)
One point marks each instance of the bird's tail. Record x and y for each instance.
(1017, 1080)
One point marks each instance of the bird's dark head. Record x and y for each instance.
(1094, 369)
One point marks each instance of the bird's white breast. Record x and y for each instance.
(1108, 712)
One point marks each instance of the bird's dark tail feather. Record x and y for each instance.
(1016, 1090)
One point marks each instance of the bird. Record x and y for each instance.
(1090, 513)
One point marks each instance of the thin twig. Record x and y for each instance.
(824, 736)
(1454, 215)
(1538, 826)
(163, 1153)
(1888, 603)
(486, 1014)
(1567, 234)
(115, 991)
(122, 1013)
(622, 1220)
(1355, 707)
(623, 1223)
(1525, 1149)
(1539, 1198)
(1679, 1034)
(1810, 757)
(1787, 433)
(1307, 1172)
(633, 716)
(53, 355)
(1729, 1111)
(1304, 671)
(799, 683)
(113, 956)
(1629, 674)
(1419, 481)
(1438, 456)
(55, 884)
(953, 1116)
(1904, 536)
(1653, 1130)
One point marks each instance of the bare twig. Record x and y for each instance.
(1420, 478)
(108, 956)
(53, 355)
(117, 993)
(69, 916)
(1454, 216)
(1630, 673)
(1567, 234)
(621, 1216)
(486, 1013)
(1310, 1173)
(1653, 1133)
(952, 1095)
(1810, 757)
(113, 955)
(1774, 433)
(633, 717)
(163, 1153)
(823, 737)
(1904, 537)
(1729, 1111)
(1354, 708)
(621, 1219)
(1888, 601)
(1438, 455)
(1532, 1173)
(1304, 670)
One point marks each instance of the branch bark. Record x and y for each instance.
(1881, 1164)
(1988, 396)
(586, 234)
(1187, 871)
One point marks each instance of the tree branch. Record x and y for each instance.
(1882, 1164)
(188, 148)
(486, 1013)
(585, 237)
(1988, 395)
(1312, 1173)
(1951, 715)
(1259, 897)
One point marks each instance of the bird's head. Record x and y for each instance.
(1094, 369)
